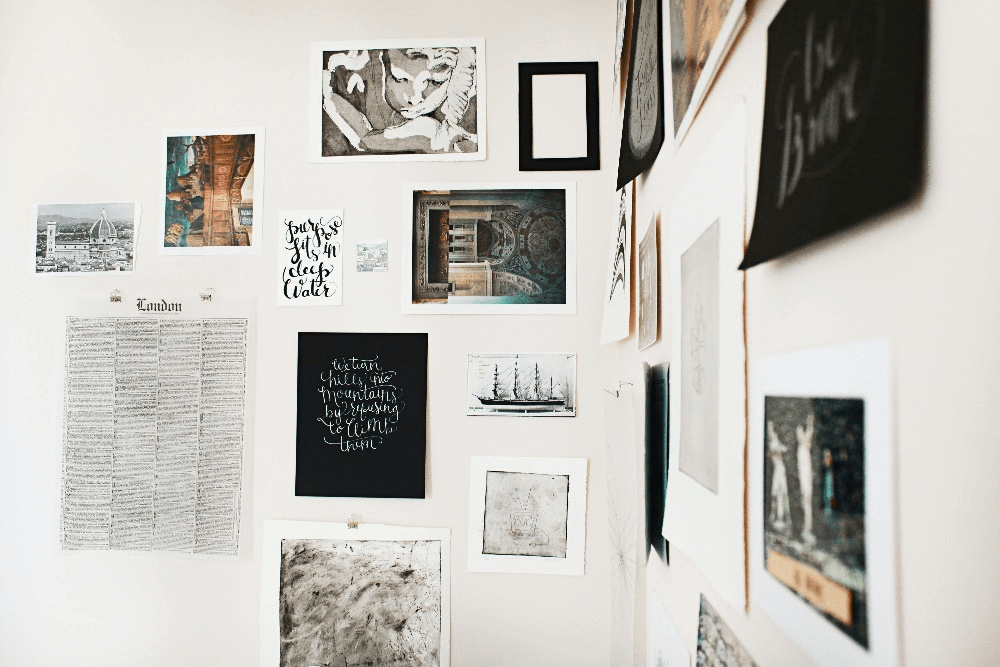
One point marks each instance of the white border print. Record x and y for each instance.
(511, 384)
(418, 100)
(511, 516)
(428, 544)
(858, 371)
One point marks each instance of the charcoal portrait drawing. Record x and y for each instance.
(414, 99)
(526, 514)
(814, 505)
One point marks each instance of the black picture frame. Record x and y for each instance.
(527, 161)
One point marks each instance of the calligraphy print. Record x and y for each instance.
(814, 505)
(844, 107)
(312, 262)
(212, 199)
(397, 100)
(85, 238)
(362, 415)
(642, 128)
(153, 439)
(717, 645)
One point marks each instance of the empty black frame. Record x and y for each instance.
(527, 161)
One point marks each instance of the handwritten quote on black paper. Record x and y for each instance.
(360, 403)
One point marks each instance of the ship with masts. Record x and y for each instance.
(509, 391)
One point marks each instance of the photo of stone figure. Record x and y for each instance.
(489, 247)
(360, 602)
(526, 514)
(814, 503)
(84, 238)
(393, 101)
(209, 191)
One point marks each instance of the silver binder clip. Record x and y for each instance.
(116, 296)
(207, 294)
(353, 521)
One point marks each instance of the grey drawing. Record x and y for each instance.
(526, 514)
(699, 445)
(84, 238)
(649, 288)
(717, 645)
(522, 385)
(360, 602)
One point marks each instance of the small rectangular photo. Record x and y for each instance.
(527, 515)
(522, 385)
(212, 191)
(490, 249)
(397, 100)
(372, 255)
(85, 238)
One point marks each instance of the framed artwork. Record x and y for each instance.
(843, 137)
(708, 378)
(85, 237)
(701, 34)
(212, 191)
(527, 515)
(559, 116)
(311, 258)
(718, 645)
(361, 415)
(649, 285)
(822, 496)
(616, 322)
(372, 595)
(642, 126)
(397, 100)
(522, 385)
(490, 248)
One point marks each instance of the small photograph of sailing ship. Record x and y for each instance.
(522, 385)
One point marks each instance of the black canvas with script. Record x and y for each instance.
(843, 119)
(362, 415)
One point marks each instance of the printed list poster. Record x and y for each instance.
(311, 258)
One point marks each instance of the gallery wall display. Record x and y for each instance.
(362, 415)
(657, 387)
(154, 428)
(822, 497)
(397, 100)
(643, 124)
(527, 515)
(213, 188)
(648, 262)
(85, 237)
(707, 392)
(558, 117)
(701, 34)
(616, 322)
(367, 595)
(508, 384)
(311, 258)
(490, 248)
(718, 646)
(844, 107)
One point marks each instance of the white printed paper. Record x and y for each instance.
(312, 262)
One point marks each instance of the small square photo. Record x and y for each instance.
(526, 514)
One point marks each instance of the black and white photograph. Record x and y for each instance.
(699, 444)
(85, 238)
(311, 258)
(717, 645)
(490, 248)
(822, 533)
(372, 255)
(643, 124)
(397, 100)
(369, 595)
(527, 515)
(522, 385)
(616, 322)
(701, 33)
(814, 504)
(649, 285)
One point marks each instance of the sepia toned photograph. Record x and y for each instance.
(397, 101)
(491, 249)
(85, 238)
(522, 385)
(212, 196)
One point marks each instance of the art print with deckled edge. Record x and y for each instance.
(370, 602)
(643, 124)
(398, 100)
(85, 238)
(312, 261)
(522, 385)
(814, 505)
(526, 514)
(717, 645)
